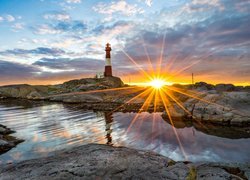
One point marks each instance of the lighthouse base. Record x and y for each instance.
(108, 71)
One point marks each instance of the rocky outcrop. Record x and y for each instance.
(23, 91)
(4, 130)
(106, 162)
(88, 84)
(203, 86)
(42, 92)
(107, 96)
(6, 141)
(225, 87)
(229, 108)
(77, 98)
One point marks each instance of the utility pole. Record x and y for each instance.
(192, 78)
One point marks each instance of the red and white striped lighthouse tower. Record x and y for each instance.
(108, 67)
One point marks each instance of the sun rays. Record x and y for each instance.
(159, 93)
(156, 94)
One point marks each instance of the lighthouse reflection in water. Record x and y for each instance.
(50, 127)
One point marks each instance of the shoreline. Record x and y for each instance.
(223, 104)
(178, 116)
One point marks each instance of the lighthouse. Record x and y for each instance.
(108, 67)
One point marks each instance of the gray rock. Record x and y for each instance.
(3, 143)
(206, 172)
(247, 88)
(42, 92)
(6, 141)
(95, 161)
(23, 91)
(230, 108)
(87, 84)
(34, 95)
(201, 86)
(77, 98)
(225, 87)
(2, 130)
(83, 98)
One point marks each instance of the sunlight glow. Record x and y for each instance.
(156, 93)
(157, 83)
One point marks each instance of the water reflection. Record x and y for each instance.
(108, 120)
(49, 127)
(215, 130)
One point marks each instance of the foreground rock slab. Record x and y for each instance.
(95, 161)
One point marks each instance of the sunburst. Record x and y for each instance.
(157, 83)
(157, 91)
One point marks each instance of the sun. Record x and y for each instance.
(157, 83)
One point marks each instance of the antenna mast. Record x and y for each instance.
(192, 78)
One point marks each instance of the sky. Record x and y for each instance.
(52, 41)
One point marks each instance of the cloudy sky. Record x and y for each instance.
(51, 41)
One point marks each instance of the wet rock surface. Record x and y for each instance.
(94, 161)
(6, 141)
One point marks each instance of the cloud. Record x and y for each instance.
(73, 1)
(31, 55)
(204, 5)
(12, 72)
(61, 69)
(113, 27)
(241, 6)
(120, 7)
(115, 34)
(79, 64)
(58, 16)
(149, 2)
(214, 43)
(17, 27)
(74, 26)
(215, 3)
(10, 18)
(213, 31)
(45, 29)
(60, 27)
(37, 51)
(69, 4)
(48, 70)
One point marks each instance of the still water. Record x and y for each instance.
(48, 127)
